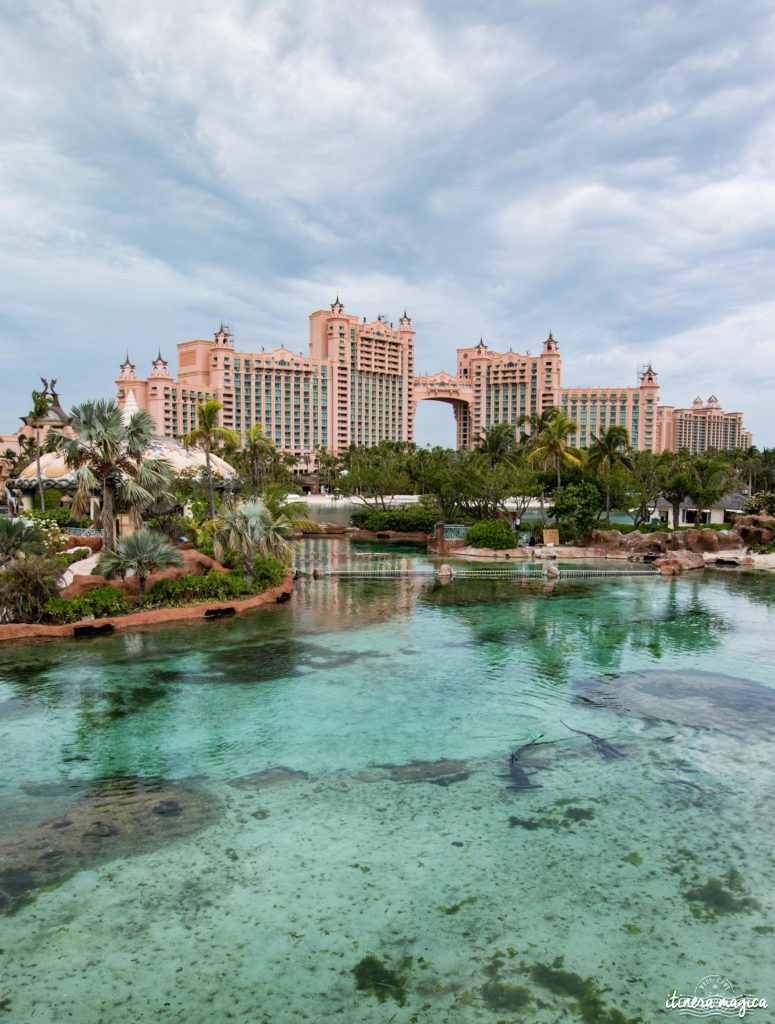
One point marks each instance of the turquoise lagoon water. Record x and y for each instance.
(308, 813)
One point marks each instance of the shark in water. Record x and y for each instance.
(608, 750)
(520, 780)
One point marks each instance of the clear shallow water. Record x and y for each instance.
(224, 822)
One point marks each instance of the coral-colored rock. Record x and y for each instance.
(196, 564)
(605, 540)
(754, 529)
(94, 544)
(701, 540)
(679, 561)
(157, 616)
(646, 543)
(83, 584)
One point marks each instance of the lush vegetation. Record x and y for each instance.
(419, 518)
(509, 469)
(496, 535)
(27, 584)
(18, 538)
(109, 457)
(100, 603)
(60, 517)
(212, 586)
(138, 554)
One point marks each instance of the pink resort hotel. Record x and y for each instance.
(358, 386)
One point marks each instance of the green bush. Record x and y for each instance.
(101, 603)
(61, 517)
(231, 559)
(193, 589)
(66, 558)
(625, 528)
(496, 535)
(707, 526)
(406, 518)
(579, 505)
(267, 573)
(763, 549)
(758, 501)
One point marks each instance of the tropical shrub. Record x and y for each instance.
(193, 589)
(496, 535)
(758, 501)
(578, 505)
(706, 526)
(763, 549)
(26, 584)
(230, 558)
(60, 517)
(139, 553)
(625, 528)
(267, 573)
(408, 518)
(16, 536)
(102, 603)
(66, 558)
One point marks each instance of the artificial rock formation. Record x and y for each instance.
(194, 564)
(685, 549)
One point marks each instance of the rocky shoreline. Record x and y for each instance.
(670, 553)
(153, 617)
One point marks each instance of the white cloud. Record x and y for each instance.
(501, 170)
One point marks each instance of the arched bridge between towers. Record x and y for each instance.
(444, 387)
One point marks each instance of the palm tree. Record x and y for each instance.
(108, 454)
(207, 435)
(139, 553)
(18, 538)
(610, 450)
(496, 443)
(261, 527)
(256, 450)
(35, 419)
(538, 422)
(551, 445)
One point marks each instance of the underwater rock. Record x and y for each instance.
(167, 807)
(101, 829)
(440, 773)
(705, 700)
(115, 820)
(279, 776)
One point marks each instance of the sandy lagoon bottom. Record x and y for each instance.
(309, 815)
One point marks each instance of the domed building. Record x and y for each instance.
(56, 474)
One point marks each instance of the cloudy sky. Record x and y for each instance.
(500, 168)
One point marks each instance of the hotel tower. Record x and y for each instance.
(357, 386)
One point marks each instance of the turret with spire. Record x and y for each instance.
(160, 368)
(223, 336)
(336, 307)
(550, 345)
(127, 371)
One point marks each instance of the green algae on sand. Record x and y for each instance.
(372, 976)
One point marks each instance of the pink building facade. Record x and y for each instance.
(357, 386)
(702, 426)
(501, 387)
(354, 387)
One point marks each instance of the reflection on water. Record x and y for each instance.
(288, 814)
